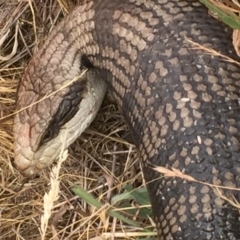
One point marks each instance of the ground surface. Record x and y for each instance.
(101, 161)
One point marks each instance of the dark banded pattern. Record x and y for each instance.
(180, 101)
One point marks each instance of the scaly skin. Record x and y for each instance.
(180, 102)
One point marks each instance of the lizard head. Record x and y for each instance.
(45, 125)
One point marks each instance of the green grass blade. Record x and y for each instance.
(87, 197)
(226, 16)
(91, 200)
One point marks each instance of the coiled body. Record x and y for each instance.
(180, 101)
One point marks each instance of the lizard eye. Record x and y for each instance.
(47, 136)
(66, 111)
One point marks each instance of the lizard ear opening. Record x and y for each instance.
(66, 111)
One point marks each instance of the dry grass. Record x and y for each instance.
(100, 161)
